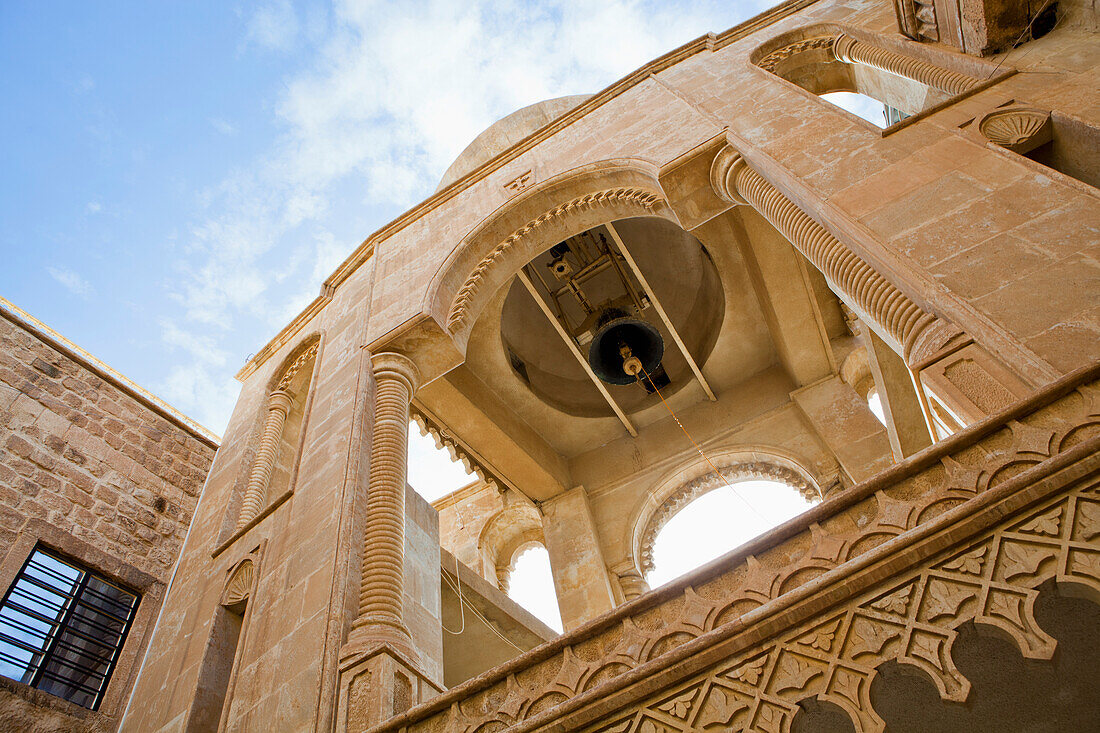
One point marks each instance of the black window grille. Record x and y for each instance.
(62, 627)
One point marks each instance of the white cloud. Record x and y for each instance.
(93, 207)
(386, 96)
(72, 281)
(202, 348)
(273, 26)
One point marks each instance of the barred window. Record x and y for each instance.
(62, 627)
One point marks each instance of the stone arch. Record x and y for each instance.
(268, 473)
(238, 589)
(561, 207)
(694, 479)
(507, 532)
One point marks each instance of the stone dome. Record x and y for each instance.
(506, 132)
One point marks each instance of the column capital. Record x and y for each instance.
(279, 399)
(723, 172)
(396, 366)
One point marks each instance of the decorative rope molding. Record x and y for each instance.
(856, 282)
(692, 490)
(769, 62)
(293, 369)
(459, 312)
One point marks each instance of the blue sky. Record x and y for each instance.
(179, 177)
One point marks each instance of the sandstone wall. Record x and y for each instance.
(93, 468)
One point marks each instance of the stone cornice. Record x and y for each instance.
(708, 42)
(56, 341)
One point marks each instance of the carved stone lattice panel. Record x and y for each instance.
(992, 581)
(913, 619)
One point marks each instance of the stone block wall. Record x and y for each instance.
(95, 468)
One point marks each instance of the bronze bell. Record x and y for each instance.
(620, 339)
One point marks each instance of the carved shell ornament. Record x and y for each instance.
(240, 585)
(1018, 130)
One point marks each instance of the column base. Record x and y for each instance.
(377, 681)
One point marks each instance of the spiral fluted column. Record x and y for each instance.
(900, 320)
(382, 583)
(255, 494)
(852, 51)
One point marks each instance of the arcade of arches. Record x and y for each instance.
(619, 304)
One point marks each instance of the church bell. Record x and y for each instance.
(621, 344)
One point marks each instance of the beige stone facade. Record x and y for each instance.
(791, 259)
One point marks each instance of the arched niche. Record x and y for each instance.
(691, 481)
(505, 535)
(812, 58)
(272, 469)
(561, 207)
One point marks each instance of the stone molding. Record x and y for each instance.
(772, 59)
(460, 305)
(692, 490)
(446, 441)
(880, 524)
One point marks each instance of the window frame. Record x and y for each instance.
(117, 570)
(68, 618)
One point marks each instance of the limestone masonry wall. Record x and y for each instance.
(91, 468)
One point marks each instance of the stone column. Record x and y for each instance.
(255, 495)
(382, 583)
(900, 321)
(380, 673)
(853, 51)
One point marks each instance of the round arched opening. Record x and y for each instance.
(719, 521)
(530, 583)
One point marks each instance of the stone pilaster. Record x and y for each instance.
(255, 494)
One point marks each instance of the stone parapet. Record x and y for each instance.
(993, 511)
